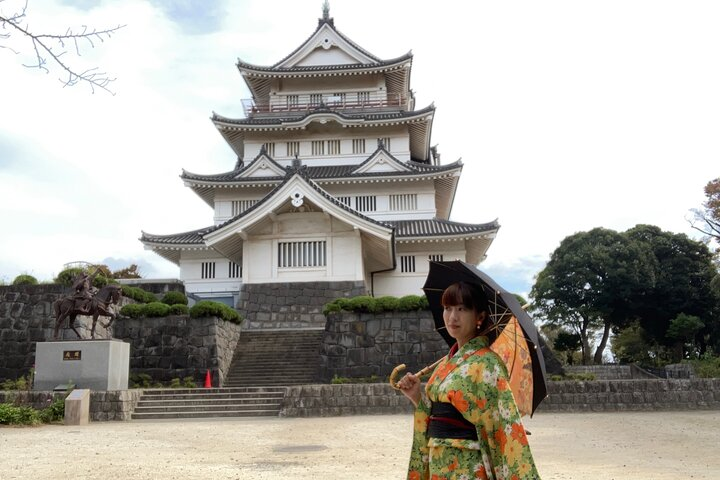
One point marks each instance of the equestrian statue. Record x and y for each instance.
(86, 300)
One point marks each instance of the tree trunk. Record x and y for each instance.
(603, 342)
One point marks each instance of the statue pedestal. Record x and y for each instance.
(89, 364)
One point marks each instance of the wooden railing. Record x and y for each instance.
(310, 102)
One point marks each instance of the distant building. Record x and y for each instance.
(336, 182)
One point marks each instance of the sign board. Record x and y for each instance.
(72, 355)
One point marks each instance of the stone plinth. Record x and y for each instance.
(88, 364)
(77, 408)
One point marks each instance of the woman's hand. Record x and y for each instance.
(409, 385)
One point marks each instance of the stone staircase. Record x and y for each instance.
(279, 357)
(209, 402)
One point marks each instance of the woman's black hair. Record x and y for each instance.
(466, 294)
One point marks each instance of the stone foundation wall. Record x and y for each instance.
(291, 305)
(341, 400)
(363, 344)
(179, 346)
(603, 372)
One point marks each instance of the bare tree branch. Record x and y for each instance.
(54, 46)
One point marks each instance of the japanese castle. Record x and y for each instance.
(336, 184)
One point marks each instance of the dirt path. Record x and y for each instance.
(601, 446)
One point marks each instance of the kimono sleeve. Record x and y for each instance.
(419, 468)
(491, 407)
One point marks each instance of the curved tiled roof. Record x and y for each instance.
(325, 68)
(193, 237)
(324, 172)
(401, 115)
(436, 227)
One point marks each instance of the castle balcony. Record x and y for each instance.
(280, 105)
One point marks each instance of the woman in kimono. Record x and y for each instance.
(467, 426)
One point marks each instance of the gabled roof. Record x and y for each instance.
(381, 161)
(422, 229)
(262, 166)
(205, 185)
(327, 51)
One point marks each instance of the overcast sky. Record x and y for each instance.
(568, 115)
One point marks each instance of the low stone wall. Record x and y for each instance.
(603, 372)
(624, 395)
(113, 405)
(291, 305)
(594, 396)
(363, 344)
(340, 400)
(104, 406)
(179, 346)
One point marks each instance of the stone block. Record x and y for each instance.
(77, 407)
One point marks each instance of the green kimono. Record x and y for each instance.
(475, 381)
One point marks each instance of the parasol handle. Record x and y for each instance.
(396, 371)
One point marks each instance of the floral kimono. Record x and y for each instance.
(475, 381)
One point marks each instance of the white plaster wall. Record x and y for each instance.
(257, 260)
(191, 272)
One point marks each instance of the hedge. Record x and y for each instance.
(367, 304)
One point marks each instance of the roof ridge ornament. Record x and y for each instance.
(326, 18)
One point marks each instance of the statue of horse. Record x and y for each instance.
(99, 305)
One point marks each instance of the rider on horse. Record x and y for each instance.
(83, 291)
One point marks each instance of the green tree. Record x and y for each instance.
(683, 329)
(567, 342)
(707, 219)
(684, 273)
(590, 283)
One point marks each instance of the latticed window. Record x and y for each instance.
(293, 148)
(292, 101)
(435, 258)
(333, 147)
(207, 270)
(407, 263)
(337, 99)
(365, 203)
(315, 99)
(234, 270)
(345, 200)
(239, 206)
(403, 202)
(363, 97)
(270, 148)
(386, 142)
(302, 254)
(358, 145)
(318, 147)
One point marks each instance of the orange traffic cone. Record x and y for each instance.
(208, 382)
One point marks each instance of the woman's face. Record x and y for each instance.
(461, 322)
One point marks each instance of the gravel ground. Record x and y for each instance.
(597, 446)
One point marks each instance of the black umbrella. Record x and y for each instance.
(503, 307)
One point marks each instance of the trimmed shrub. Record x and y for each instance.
(156, 309)
(25, 279)
(409, 303)
(387, 303)
(179, 309)
(175, 298)
(364, 304)
(367, 304)
(189, 382)
(208, 308)
(67, 276)
(138, 294)
(133, 310)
